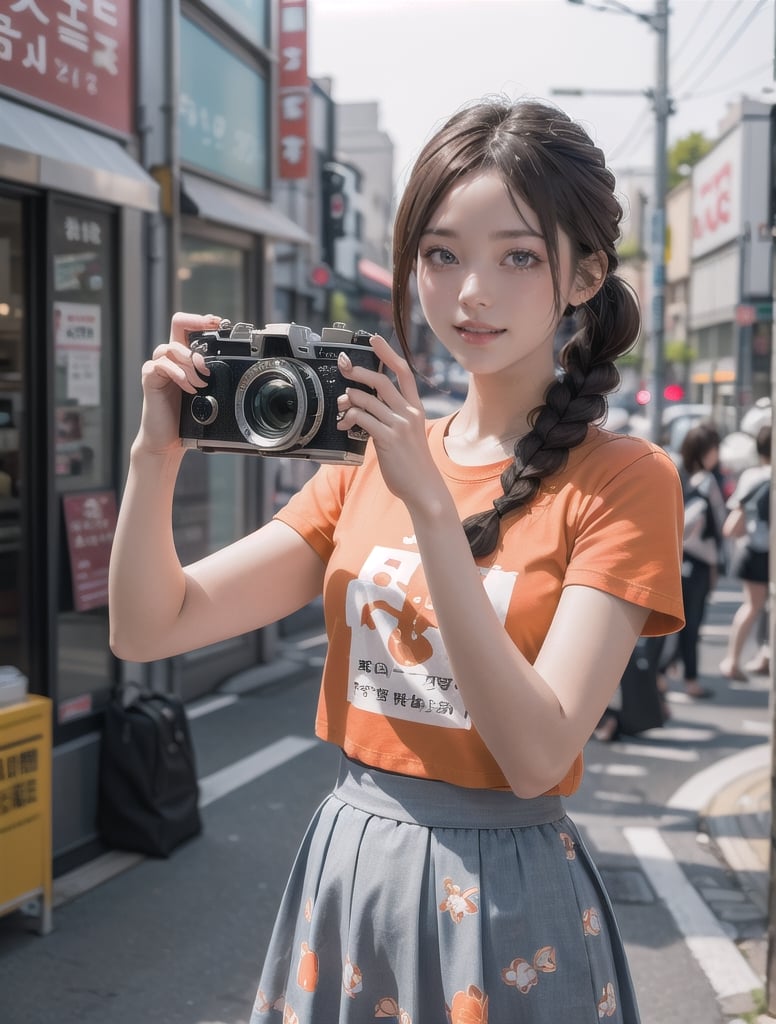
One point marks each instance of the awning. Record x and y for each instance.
(224, 205)
(38, 149)
(374, 278)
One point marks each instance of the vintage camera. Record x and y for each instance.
(274, 392)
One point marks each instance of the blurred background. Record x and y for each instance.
(245, 157)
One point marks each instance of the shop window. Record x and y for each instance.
(208, 511)
(84, 328)
(13, 634)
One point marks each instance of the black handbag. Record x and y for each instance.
(148, 789)
(642, 707)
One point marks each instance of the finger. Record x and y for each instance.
(158, 372)
(183, 323)
(191, 364)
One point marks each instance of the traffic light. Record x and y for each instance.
(334, 207)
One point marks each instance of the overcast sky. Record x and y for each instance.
(422, 59)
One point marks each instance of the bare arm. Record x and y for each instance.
(534, 719)
(158, 608)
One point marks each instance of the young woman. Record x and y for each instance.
(485, 578)
(749, 506)
(702, 549)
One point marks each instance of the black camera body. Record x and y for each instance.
(273, 392)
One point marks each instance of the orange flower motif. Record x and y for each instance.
(458, 902)
(352, 979)
(469, 1007)
(607, 1004)
(289, 1017)
(591, 922)
(388, 1007)
(522, 975)
(307, 974)
(308, 909)
(264, 1005)
(568, 842)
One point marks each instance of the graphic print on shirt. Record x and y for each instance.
(398, 666)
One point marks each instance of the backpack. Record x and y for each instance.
(757, 510)
(700, 523)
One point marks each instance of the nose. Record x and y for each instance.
(473, 290)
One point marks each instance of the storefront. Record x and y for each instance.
(73, 199)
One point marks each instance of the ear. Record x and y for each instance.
(590, 276)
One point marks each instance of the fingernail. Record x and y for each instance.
(344, 361)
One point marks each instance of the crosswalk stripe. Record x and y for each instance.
(717, 955)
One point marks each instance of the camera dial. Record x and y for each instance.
(204, 409)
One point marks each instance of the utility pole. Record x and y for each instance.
(663, 108)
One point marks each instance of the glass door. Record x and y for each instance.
(14, 643)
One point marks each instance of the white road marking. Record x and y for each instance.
(620, 770)
(226, 780)
(727, 971)
(696, 793)
(206, 707)
(658, 752)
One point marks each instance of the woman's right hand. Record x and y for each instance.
(172, 368)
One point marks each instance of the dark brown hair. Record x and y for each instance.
(549, 162)
(698, 442)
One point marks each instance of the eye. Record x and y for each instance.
(439, 256)
(523, 259)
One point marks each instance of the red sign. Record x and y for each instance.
(90, 521)
(75, 54)
(714, 201)
(293, 91)
(745, 315)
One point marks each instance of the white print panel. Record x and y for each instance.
(398, 666)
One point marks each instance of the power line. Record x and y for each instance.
(629, 142)
(729, 43)
(691, 33)
(728, 85)
(715, 35)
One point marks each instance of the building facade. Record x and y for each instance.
(132, 184)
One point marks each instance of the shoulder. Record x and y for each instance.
(605, 456)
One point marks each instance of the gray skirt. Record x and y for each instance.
(418, 902)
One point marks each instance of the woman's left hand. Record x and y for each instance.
(394, 418)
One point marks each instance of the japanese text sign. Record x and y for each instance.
(293, 91)
(90, 521)
(74, 54)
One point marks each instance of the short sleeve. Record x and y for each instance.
(314, 510)
(629, 539)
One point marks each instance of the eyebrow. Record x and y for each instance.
(507, 233)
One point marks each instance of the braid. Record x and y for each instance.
(571, 403)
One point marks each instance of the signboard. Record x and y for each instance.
(90, 523)
(716, 196)
(222, 111)
(74, 55)
(25, 805)
(293, 91)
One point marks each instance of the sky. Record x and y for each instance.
(420, 60)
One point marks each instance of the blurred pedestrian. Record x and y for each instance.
(485, 577)
(748, 527)
(702, 551)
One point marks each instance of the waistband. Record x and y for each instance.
(439, 804)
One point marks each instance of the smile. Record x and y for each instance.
(477, 333)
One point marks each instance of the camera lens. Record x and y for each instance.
(278, 404)
(275, 406)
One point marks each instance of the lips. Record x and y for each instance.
(476, 333)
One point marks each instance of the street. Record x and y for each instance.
(181, 941)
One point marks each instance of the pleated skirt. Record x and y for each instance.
(418, 902)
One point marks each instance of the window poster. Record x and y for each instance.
(77, 344)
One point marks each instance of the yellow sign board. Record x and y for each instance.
(25, 806)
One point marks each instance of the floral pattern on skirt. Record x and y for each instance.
(417, 902)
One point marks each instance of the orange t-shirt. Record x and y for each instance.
(612, 520)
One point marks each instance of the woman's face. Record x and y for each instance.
(484, 281)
